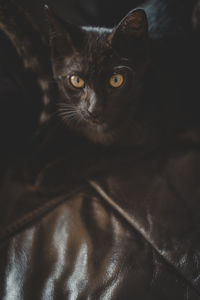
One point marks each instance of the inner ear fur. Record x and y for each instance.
(131, 33)
(134, 23)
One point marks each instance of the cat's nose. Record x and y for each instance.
(94, 108)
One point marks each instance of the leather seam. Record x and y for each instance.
(18, 225)
(120, 211)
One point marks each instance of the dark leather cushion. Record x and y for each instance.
(126, 232)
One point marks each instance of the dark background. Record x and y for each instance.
(88, 12)
(165, 17)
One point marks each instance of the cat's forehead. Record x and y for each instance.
(96, 46)
(95, 56)
(96, 51)
(97, 34)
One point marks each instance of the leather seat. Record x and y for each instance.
(126, 232)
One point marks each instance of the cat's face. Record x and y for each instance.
(100, 73)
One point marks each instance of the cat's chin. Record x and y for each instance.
(99, 126)
(97, 132)
(96, 125)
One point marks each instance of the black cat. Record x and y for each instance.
(100, 74)
(120, 86)
(114, 86)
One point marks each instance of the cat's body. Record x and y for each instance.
(146, 108)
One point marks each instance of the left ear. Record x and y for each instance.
(132, 30)
(64, 37)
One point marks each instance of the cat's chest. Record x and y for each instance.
(99, 134)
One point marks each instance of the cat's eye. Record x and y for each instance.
(77, 81)
(116, 80)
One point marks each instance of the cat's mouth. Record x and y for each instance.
(99, 125)
(94, 121)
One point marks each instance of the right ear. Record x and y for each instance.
(64, 37)
(131, 34)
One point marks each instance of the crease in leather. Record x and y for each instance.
(137, 228)
(28, 218)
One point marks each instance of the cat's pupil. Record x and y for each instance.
(116, 79)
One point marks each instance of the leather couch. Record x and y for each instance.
(127, 231)
(78, 221)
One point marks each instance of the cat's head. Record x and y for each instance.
(100, 72)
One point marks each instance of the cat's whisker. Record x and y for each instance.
(71, 117)
(65, 105)
(67, 110)
(67, 114)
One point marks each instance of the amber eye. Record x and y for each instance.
(77, 81)
(116, 80)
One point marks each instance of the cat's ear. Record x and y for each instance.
(64, 37)
(131, 31)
